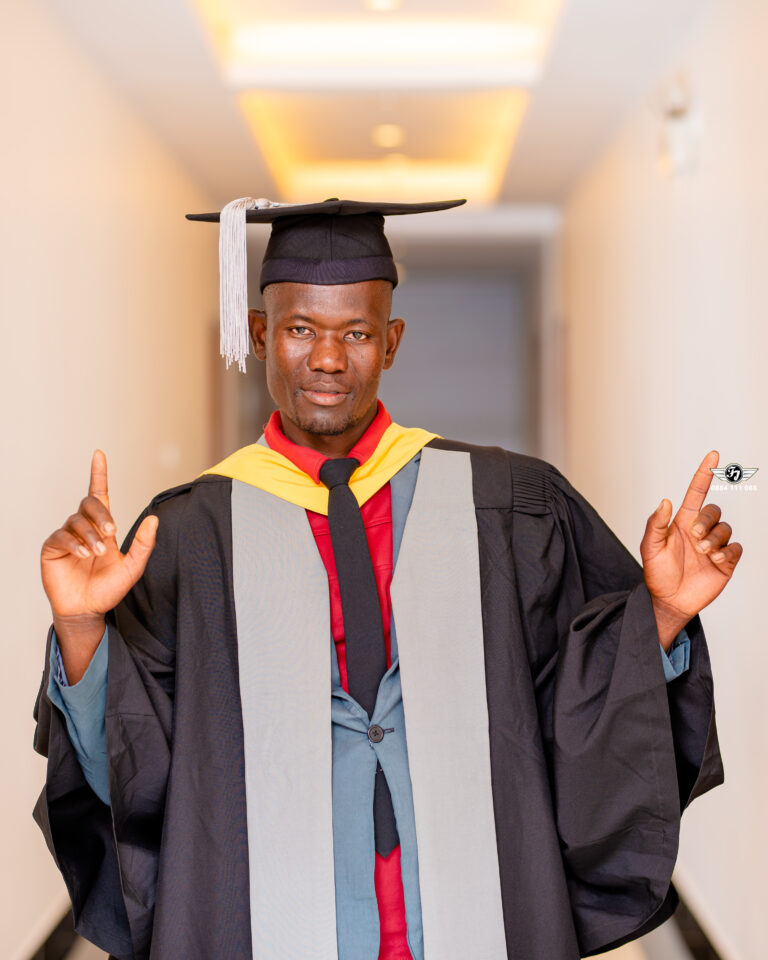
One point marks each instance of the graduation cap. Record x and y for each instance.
(333, 242)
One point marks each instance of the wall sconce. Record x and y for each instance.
(680, 133)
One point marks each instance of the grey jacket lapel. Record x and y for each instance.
(437, 608)
(282, 610)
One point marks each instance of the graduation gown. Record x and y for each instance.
(539, 726)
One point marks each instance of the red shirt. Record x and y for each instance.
(377, 520)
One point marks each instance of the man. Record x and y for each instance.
(518, 711)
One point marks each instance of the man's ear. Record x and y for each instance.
(395, 331)
(257, 324)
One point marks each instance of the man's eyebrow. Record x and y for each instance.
(356, 321)
(299, 317)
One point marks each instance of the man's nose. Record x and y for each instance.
(328, 354)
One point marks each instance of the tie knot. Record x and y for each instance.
(333, 473)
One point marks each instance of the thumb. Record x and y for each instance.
(142, 546)
(657, 529)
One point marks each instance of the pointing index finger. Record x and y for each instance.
(697, 491)
(98, 485)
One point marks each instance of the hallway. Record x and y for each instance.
(598, 303)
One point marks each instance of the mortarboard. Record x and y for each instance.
(333, 242)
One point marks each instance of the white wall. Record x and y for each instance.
(666, 285)
(106, 293)
(472, 382)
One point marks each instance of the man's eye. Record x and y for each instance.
(299, 330)
(358, 335)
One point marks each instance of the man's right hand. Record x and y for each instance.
(85, 574)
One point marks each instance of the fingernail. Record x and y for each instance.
(704, 546)
(100, 548)
(84, 552)
(718, 556)
(109, 528)
(698, 529)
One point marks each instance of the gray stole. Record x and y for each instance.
(282, 611)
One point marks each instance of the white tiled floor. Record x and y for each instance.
(85, 951)
(631, 951)
(663, 944)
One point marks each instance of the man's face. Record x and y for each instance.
(325, 348)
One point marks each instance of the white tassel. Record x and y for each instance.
(233, 279)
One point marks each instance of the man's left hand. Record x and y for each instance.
(687, 564)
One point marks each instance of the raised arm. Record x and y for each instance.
(687, 563)
(85, 574)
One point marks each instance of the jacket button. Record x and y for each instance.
(375, 733)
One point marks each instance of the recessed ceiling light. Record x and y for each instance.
(388, 136)
(382, 6)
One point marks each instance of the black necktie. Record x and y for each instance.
(361, 613)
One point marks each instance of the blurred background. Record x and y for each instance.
(599, 302)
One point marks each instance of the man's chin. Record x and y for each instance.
(325, 424)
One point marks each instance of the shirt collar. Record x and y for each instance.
(309, 460)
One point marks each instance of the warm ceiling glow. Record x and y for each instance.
(407, 182)
(388, 136)
(315, 146)
(382, 6)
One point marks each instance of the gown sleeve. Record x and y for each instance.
(628, 748)
(108, 856)
(83, 706)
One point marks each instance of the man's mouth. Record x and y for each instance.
(324, 397)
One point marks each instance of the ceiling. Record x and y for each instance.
(501, 101)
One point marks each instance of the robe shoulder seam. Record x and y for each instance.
(183, 488)
(504, 479)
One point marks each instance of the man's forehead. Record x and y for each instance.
(362, 298)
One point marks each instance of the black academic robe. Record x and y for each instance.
(593, 756)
